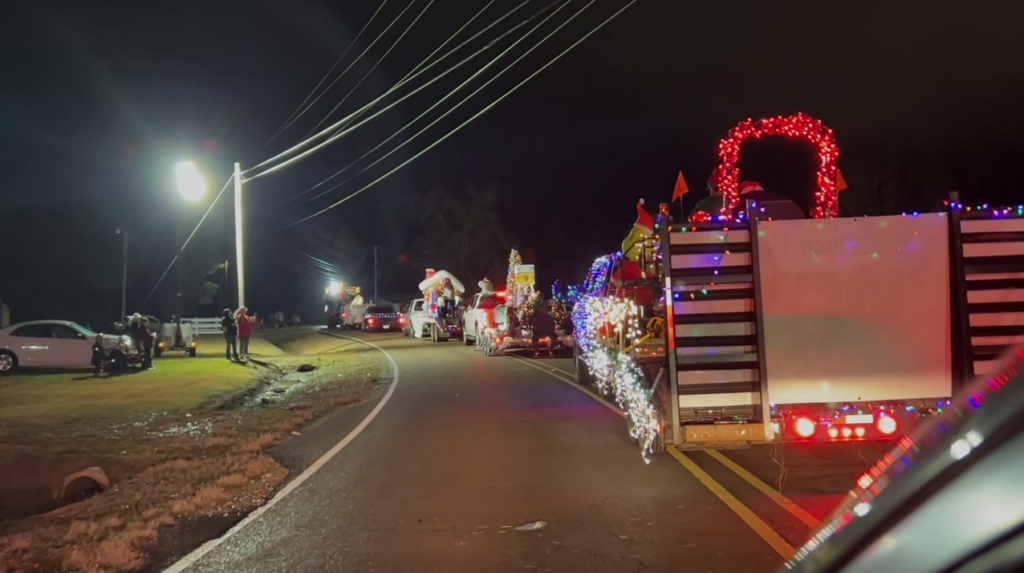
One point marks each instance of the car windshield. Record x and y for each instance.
(82, 329)
(488, 302)
(380, 310)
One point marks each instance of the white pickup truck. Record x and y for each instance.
(479, 316)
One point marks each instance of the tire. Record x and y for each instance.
(8, 362)
(157, 352)
(191, 352)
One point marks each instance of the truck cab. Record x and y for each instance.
(480, 315)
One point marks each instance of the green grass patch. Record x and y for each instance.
(176, 384)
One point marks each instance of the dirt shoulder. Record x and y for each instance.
(178, 475)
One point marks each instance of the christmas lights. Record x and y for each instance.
(511, 288)
(998, 212)
(605, 327)
(800, 125)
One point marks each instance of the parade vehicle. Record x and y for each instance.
(442, 295)
(175, 336)
(748, 326)
(343, 306)
(415, 316)
(501, 321)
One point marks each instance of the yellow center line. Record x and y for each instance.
(783, 501)
(762, 529)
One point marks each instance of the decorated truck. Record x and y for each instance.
(343, 305)
(500, 321)
(747, 325)
(442, 296)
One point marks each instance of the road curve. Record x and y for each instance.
(468, 446)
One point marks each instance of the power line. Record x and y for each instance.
(182, 249)
(348, 130)
(359, 57)
(478, 114)
(379, 60)
(299, 110)
(346, 119)
(407, 77)
(439, 102)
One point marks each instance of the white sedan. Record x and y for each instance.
(51, 344)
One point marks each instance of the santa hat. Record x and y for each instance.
(643, 219)
(748, 186)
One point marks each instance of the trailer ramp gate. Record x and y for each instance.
(988, 255)
(714, 347)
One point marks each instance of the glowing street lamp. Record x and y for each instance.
(191, 183)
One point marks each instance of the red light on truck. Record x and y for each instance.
(887, 425)
(804, 427)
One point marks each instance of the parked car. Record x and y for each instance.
(947, 499)
(51, 344)
(381, 318)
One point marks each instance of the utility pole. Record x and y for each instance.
(238, 234)
(375, 274)
(124, 276)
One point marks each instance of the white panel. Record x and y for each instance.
(997, 319)
(715, 350)
(1001, 295)
(992, 249)
(737, 236)
(716, 376)
(718, 329)
(993, 276)
(716, 286)
(710, 260)
(985, 367)
(996, 340)
(856, 309)
(992, 225)
(704, 306)
(719, 400)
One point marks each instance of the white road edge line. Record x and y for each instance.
(552, 373)
(197, 554)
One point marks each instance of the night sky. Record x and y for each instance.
(100, 99)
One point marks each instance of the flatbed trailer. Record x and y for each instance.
(815, 329)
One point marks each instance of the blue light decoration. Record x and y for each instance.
(998, 212)
(605, 328)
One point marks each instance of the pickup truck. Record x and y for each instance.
(416, 318)
(480, 316)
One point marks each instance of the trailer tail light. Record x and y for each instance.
(887, 425)
(401, 320)
(804, 427)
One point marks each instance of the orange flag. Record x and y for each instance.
(840, 180)
(681, 188)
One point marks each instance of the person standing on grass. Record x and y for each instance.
(230, 330)
(245, 326)
(147, 345)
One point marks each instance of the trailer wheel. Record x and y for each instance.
(158, 352)
(191, 352)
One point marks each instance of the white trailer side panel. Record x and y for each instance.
(856, 309)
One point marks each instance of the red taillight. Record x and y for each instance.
(804, 427)
(344, 315)
(401, 320)
(887, 425)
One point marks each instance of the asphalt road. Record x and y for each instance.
(469, 447)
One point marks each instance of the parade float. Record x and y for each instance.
(343, 305)
(442, 293)
(500, 322)
(750, 324)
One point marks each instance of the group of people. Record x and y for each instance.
(237, 327)
(116, 359)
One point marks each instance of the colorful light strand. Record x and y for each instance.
(604, 327)
(799, 125)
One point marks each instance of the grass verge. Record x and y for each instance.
(170, 467)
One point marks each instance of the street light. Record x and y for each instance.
(191, 183)
(124, 275)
